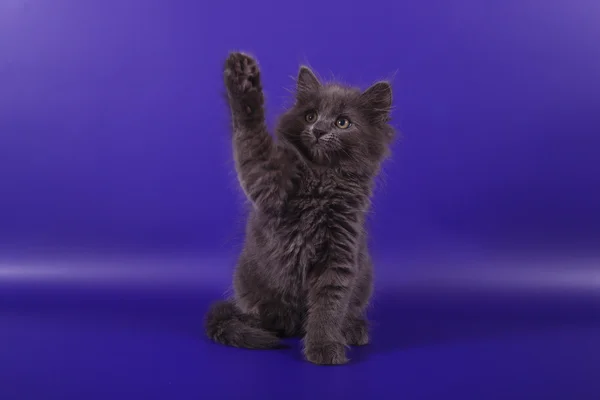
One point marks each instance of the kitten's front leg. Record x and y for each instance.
(328, 298)
(261, 168)
(245, 95)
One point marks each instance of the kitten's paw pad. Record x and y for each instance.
(326, 353)
(242, 74)
(356, 333)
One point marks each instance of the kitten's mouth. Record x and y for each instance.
(313, 148)
(322, 139)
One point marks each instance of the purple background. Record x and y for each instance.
(120, 214)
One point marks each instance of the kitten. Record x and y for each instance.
(305, 268)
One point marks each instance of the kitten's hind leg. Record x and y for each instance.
(356, 325)
(356, 331)
(281, 318)
(225, 323)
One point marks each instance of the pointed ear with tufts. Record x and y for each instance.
(307, 82)
(377, 101)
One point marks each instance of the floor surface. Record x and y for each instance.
(107, 333)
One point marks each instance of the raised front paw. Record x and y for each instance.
(242, 75)
(327, 353)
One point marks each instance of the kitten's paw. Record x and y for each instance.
(242, 74)
(356, 332)
(275, 317)
(329, 353)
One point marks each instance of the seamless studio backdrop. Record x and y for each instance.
(121, 216)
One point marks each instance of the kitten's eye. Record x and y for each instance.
(343, 123)
(310, 116)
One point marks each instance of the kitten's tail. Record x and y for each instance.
(227, 325)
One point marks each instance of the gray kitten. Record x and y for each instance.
(305, 268)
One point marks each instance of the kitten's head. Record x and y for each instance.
(332, 124)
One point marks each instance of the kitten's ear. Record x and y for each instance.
(307, 81)
(377, 101)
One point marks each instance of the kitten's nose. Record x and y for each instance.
(319, 132)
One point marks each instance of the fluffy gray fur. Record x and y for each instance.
(305, 268)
